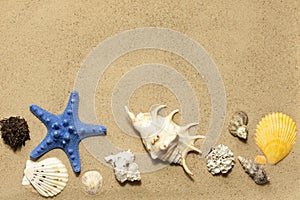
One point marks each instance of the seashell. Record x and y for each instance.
(219, 160)
(124, 166)
(275, 136)
(255, 171)
(92, 182)
(238, 125)
(260, 160)
(163, 138)
(48, 177)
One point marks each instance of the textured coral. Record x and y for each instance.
(220, 160)
(124, 166)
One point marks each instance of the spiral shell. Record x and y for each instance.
(255, 171)
(163, 138)
(48, 177)
(275, 136)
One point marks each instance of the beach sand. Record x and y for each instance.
(254, 44)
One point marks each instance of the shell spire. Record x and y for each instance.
(255, 171)
(163, 138)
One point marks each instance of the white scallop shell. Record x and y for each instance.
(163, 138)
(92, 181)
(48, 177)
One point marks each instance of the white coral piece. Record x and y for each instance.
(220, 160)
(124, 166)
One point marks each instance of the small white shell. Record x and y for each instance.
(124, 166)
(92, 182)
(220, 160)
(48, 177)
(163, 138)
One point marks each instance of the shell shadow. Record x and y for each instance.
(134, 183)
(242, 140)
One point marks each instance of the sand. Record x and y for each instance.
(254, 44)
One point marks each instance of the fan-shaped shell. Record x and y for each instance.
(48, 177)
(163, 138)
(260, 160)
(275, 136)
(92, 181)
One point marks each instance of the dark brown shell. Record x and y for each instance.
(14, 131)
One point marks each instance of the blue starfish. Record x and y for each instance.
(65, 131)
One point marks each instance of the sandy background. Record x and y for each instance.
(253, 43)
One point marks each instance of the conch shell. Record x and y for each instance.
(163, 138)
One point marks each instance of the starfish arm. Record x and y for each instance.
(73, 154)
(46, 145)
(41, 114)
(87, 130)
(73, 102)
(75, 162)
(72, 107)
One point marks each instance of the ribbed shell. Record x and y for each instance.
(260, 159)
(92, 181)
(48, 177)
(275, 136)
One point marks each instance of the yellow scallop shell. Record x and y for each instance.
(275, 136)
(260, 160)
